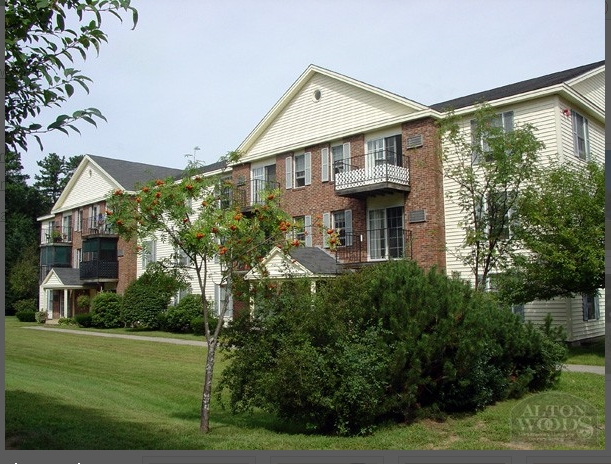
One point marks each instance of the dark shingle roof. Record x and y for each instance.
(517, 88)
(131, 173)
(69, 277)
(315, 260)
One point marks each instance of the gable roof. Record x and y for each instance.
(528, 85)
(347, 106)
(314, 260)
(130, 173)
(63, 277)
(299, 262)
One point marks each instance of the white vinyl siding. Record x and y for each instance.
(91, 186)
(343, 108)
(593, 88)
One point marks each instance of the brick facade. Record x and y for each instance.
(427, 244)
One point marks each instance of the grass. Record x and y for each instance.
(591, 354)
(68, 391)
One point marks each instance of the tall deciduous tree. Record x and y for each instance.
(40, 49)
(199, 218)
(487, 165)
(562, 230)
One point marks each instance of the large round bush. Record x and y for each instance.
(106, 310)
(391, 342)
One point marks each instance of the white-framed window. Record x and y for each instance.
(590, 306)
(78, 222)
(299, 170)
(341, 222)
(303, 231)
(386, 150)
(78, 257)
(385, 234)
(263, 178)
(500, 214)
(181, 257)
(149, 253)
(501, 120)
(581, 142)
(222, 297)
(334, 162)
(67, 227)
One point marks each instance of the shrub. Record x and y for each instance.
(25, 305)
(66, 321)
(84, 320)
(26, 316)
(390, 342)
(178, 318)
(106, 310)
(148, 296)
(41, 317)
(83, 302)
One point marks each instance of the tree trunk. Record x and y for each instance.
(207, 394)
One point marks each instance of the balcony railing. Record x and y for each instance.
(56, 234)
(99, 269)
(381, 171)
(250, 194)
(96, 226)
(374, 245)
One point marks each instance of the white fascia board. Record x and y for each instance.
(585, 76)
(45, 217)
(427, 113)
(560, 89)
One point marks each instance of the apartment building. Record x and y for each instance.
(79, 253)
(351, 157)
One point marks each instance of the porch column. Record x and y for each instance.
(66, 303)
(49, 298)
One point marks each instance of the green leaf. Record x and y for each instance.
(69, 90)
(60, 22)
(89, 120)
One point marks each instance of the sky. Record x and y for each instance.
(204, 73)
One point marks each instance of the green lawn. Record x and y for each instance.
(592, 354)
(69, 391)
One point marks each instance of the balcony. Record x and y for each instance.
(376, 173)
(98, 269)
(374, 245)
(96, 227)
(56, 235)
(247, 195)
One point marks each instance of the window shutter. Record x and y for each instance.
(596, 308)
(308, 168)
(326, 224)
(348, 219)
(324, 163)
(586, 134)
(475, 143)
(584, 306)
(308, 231)
(508, 121)
(289, 172)
(217, 299)
(346, 148)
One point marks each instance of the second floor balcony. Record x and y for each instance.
(96, 226)
(248, 195)
(373, 245)
(375, 173)
(98, 269)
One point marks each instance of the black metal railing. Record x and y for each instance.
(96, 226)
(248, 194)
(99, 269)
(374, 245)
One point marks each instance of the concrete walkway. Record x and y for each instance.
(177, 341)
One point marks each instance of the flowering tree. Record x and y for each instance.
(200, 217)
